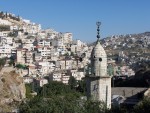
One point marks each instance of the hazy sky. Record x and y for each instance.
(80, 16)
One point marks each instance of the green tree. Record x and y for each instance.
(60, 98)
(72, 54)
(72, 82)
(28, 90)
(21, 66)
(81, 86)
(143, 106)
(95, 107)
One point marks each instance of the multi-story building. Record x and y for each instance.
(44, 51)
(5, 51)
(20, 53)
(65, 78)
(45, 67)
(28, 43)
(56, 76)
(67, 38)
(60, 76)
(64, 64)
(6, 40)
(29, 57)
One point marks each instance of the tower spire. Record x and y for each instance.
(98, 29)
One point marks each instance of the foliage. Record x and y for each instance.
(81, 87)
(95, 107)
(12, 61)
(72, 82)
(57, 97)
(28, 90)
(72, 54)
(26, 33)
(143, 106)
(13, 34)
(66, 54)
(141, 79)
(21, 66)
(55, 89)
(119, 110)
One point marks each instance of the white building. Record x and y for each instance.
(5, 51)
(60, 76)
(6, 40)
(65, 78)
(44, 51)
(46, 67)
(77, 75)
(14, 27)
(4, 22)
(67, 37)
(27, 80)
(56, 76)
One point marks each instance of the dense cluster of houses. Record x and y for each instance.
(46, 52)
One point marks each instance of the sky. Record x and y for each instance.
(80, 16)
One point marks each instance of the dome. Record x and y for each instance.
(98, 51)
(98, 61)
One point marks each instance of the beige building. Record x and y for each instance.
(24, 56)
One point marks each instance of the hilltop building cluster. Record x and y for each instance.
(129, 49)
(51, 53)
(37, 54)
(43, 52)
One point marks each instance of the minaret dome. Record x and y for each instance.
(98, 58)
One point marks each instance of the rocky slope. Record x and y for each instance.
(12, 89)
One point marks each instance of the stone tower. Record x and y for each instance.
(98, 81)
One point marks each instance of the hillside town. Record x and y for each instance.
(38, 53)
(42, 56)
(42, 52)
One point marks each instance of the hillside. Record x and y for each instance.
(129, 43)
(12, 89)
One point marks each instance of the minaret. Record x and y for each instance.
(98, 81)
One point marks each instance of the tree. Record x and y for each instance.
(72, 54)
(28, 90)
(143, 106)
(12, 61)
(81, 86)
(95, 107)
(60, 99)
(21, 66)
(72, 82)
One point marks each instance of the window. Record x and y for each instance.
(100, 59)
